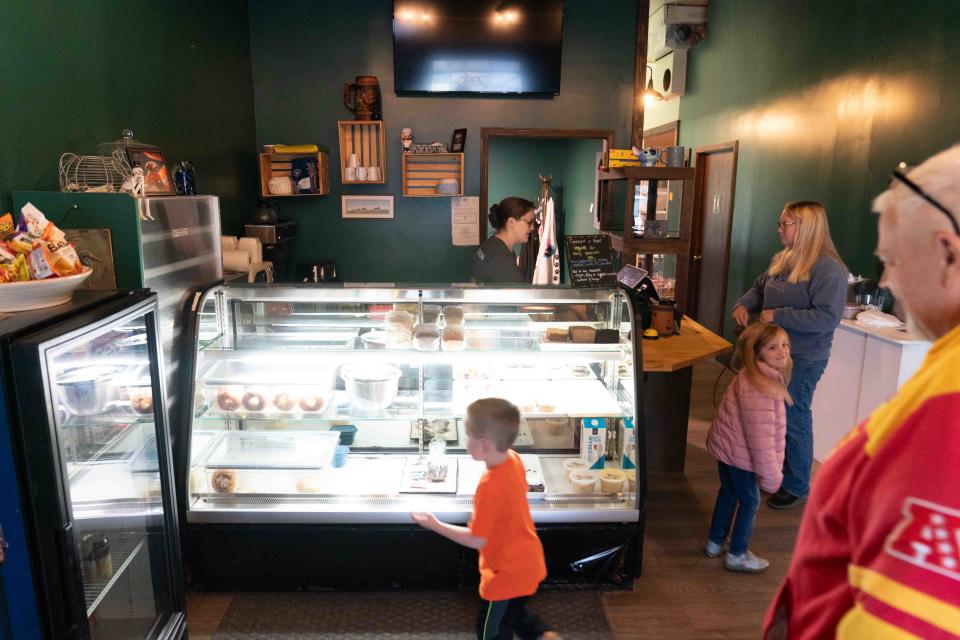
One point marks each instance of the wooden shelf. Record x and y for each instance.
(274, 165)
(622, 239)
(422, 172)
(363, 138)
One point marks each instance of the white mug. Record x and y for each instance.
(362, 174)
(352, 161)
(373, 174)
(350, 174)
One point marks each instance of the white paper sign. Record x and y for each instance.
(465, 220)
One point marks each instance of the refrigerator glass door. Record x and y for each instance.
(110, 435)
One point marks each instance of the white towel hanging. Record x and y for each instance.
(547, 270)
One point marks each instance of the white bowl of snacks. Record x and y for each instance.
(40, 294)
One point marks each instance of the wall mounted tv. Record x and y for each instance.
(477, 46)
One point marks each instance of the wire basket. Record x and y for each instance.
(95, 173)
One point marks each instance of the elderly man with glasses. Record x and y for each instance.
(878, 553)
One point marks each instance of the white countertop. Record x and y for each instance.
(899, 336)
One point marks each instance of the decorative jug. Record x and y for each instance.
(363, 98)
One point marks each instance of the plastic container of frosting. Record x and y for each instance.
(583, 481)
(612, 481)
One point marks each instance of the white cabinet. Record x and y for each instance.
(866, 367)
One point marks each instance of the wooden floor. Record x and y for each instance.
(681, 594)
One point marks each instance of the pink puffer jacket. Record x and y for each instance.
(750, 430)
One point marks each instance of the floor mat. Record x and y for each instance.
(576, 615)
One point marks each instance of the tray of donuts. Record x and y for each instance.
(236, 389)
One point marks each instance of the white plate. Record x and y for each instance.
(40, 294)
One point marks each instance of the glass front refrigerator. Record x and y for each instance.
(86, 498)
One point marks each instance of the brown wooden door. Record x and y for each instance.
(713, 213)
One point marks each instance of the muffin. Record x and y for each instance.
(426, 337)
(453, 338)
(452, 314)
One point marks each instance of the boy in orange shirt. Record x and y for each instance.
(501, 529)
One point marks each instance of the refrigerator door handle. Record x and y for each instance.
(76, 611)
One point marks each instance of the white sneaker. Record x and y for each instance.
(745, 563)
(713, 549)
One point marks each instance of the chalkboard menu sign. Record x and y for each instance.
(591, 261)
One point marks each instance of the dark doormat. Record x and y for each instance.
(443, 615)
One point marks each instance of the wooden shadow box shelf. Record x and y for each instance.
(422, 172)
(364, 139)
(276, 165)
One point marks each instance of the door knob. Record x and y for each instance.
(697, 258)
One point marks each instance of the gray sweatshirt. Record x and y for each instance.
(809, 310)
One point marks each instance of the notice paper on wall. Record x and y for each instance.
(465, 220)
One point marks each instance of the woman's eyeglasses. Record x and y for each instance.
(782, 225)
(898, 174)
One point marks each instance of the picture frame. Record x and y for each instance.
(156, 176)
(459, 141)
(366, 207)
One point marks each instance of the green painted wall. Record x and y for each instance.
(825, 98)
(74, 74)
(303, 52)
(579, 172)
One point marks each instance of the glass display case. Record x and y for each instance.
(93, 425)
(346, 404)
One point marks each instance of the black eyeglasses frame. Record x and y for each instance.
(897, 174)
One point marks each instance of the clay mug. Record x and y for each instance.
(350, 174)
(362, 97)
(673, 156)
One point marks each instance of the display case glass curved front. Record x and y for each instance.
(346, 404)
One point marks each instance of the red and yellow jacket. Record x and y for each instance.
(878, 553)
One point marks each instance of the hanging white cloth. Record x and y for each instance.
(547, 270)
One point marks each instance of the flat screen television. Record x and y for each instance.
(477, 46)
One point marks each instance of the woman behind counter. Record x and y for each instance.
(494, 262)
(803, 290)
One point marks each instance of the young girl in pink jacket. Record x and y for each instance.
(747, 437)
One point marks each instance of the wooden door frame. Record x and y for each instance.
(696, 240)
(545, 134)
(670, 127)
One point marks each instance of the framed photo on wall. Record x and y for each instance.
(459, 141)
(366, 206)
(156, 178)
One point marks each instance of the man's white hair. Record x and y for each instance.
(938, 176)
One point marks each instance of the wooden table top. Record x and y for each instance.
(673, 353)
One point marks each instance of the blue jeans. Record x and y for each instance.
(799, 453)
(737, 487)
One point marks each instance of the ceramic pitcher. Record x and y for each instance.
(362, 97)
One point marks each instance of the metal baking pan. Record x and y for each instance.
(273, 450)
(227, 372)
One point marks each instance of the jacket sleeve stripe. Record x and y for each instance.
(859, 623)
(897, 595)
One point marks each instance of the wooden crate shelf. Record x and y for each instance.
(422, 173)
(273, 165)
(365, 139)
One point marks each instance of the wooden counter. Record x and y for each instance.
(668, 373)
(673, 353)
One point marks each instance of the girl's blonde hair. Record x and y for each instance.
(751, 341)
(811, 241)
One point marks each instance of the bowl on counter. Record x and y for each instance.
(371, 387)
(40, 294)
(374, 340)
(86, 391)
(850, 311)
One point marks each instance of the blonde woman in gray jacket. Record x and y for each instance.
(803, 290)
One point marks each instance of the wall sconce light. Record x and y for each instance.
(651, 95)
